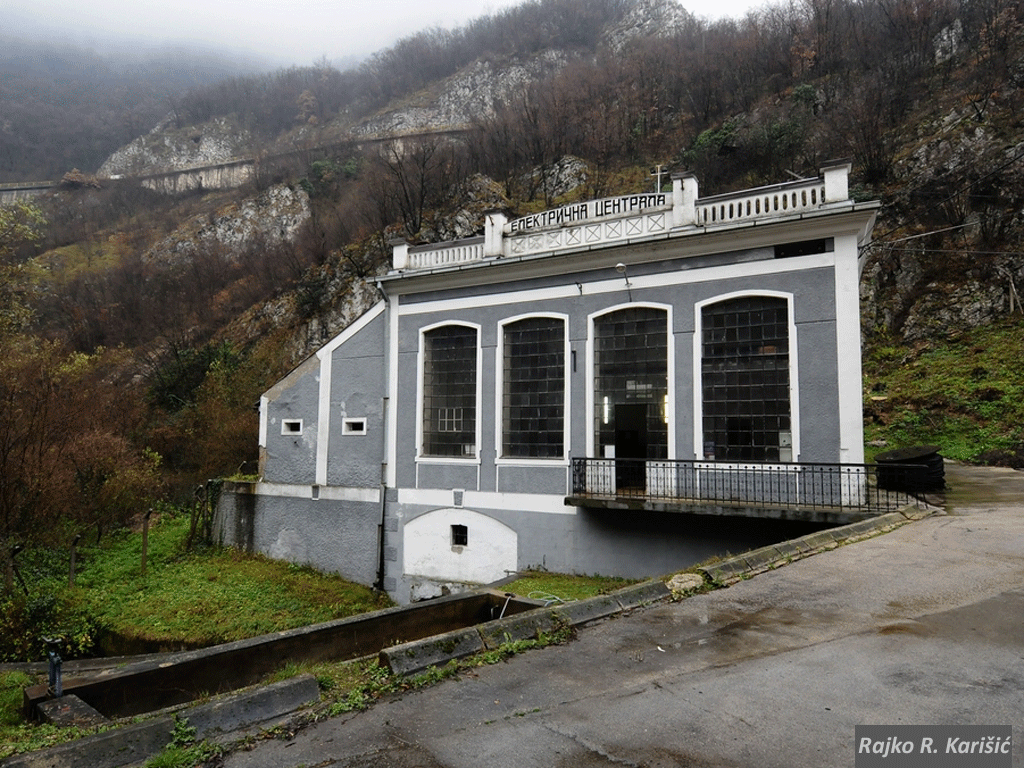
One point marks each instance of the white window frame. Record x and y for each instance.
(670, 405)
(499, 386)
(420, 456)
(698, 393)
(354, 427)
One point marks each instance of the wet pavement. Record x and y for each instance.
(922, 625)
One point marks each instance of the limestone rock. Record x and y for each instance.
(685, 582)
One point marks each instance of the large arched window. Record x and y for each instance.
(533, 388)
(449, 391)
(631, 384)
(745, 379)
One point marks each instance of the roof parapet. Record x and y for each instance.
(614, 220)
(836, 174)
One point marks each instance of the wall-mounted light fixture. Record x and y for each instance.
(621, 269)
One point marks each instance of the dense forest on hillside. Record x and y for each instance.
(139, 328)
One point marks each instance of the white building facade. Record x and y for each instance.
(621, 386)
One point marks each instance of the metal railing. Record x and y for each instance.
(862, 487)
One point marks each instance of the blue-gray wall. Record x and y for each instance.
(330, 535)
(341, 536)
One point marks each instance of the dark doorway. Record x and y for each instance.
(630, 447)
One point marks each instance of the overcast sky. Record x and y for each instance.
(284, 31)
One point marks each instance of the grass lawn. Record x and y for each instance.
(558, 587)
(213, 596)
(208, 597)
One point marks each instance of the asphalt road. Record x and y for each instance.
(923, 625)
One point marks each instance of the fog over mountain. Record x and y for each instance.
(281, 33)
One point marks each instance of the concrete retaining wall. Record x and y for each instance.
(150, 685)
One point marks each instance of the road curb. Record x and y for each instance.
(733, 569)
(418, 655)
(133, 744)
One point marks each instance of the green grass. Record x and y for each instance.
(543, 586)
(211, 597)
(198, 598)
(964, 394)
(15, 734)
(11, 685)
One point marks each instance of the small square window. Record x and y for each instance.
(353, 427)
(460, 536)
(291, 427)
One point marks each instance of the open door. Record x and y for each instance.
(630, 447)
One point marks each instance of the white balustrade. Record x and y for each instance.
(598, 223)
(760, 204)
(446, 256)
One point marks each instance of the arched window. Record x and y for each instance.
(449, 391)
(631, 384)
(745, 379)
(533, 388)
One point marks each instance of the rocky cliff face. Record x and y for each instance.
(169, 148)
(471, 94)
(942, 263)
(648, 18)
(274, 216)
(463, 98)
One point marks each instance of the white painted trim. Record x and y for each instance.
(614, 285)
(323, 431)
(326, 357)
(794, 367)
(420, 457)
(850, 377)
(293, 432)
(392, 406)
(499, 391)
(264, 420)
(588, 387)
(352, 329)
(328, 492)
(448, 460)
(355, 427)
(670, 362)
(560, 461)
(552, 504)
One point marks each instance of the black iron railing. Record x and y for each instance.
(806, 486)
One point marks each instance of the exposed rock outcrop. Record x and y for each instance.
(465, 97)
(274, 216)
(169, 148)
(648, 18)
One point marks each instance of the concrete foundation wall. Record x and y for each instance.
(630, 544)
(286, 523)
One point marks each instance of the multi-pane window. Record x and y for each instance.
(449, 391)
(631, 383)
(533, 392)
(745, 378)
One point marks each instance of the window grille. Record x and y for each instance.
(449, 391)
(745, 378)
(533, 392)
(631, 382)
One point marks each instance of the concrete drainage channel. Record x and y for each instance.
(171, 682)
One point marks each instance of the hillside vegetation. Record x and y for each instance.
(64, 107)
(139, 329)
